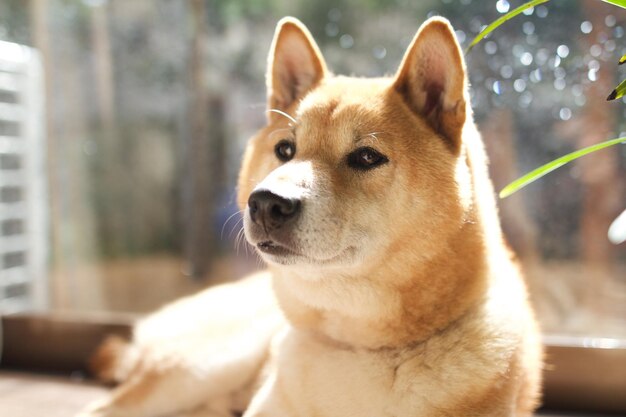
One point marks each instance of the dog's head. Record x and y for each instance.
(350, 171)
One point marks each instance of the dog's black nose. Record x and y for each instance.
(272, 211)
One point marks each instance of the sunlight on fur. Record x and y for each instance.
(389, 290)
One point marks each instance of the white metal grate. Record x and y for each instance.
(23, 205)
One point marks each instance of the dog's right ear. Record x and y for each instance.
(432, 79)
(295, 65)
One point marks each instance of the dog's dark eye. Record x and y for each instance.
(285, 150)
(366, 158)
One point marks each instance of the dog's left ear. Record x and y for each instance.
(295, 65)
(432, 79)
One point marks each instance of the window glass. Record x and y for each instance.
(122, 124)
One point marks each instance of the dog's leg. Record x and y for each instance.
(195, 352)
(169, 392)
(184, 382)
(151, 394)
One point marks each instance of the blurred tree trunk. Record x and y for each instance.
(217, 118)
(602, 195)
(103, 67)
(110, 219)
(113, 223)
(198, 188)
(72, 222)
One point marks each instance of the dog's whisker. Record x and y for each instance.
(237, 244)
(235, 227)
(245, 246)
(237, 241)
(226, 222)
(240, 239)
(282, 113)
(259, 261)
(372, 135)
(274, 132)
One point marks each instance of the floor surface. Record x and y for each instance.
(30, 395)
(26, 395)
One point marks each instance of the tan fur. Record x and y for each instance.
(106, 363)
(400, 296)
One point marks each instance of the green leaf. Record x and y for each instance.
(551, 166)
(619, 3)
(495, 24)
(622, 60)
(619, 91)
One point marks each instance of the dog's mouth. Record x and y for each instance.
(286, 256)
(272, 248)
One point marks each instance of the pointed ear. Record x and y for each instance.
(295, 65)
(432, 79)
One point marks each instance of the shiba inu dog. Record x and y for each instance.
(389, 290)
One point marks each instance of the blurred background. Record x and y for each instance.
(122, 124)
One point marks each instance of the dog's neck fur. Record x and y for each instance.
(350, 310)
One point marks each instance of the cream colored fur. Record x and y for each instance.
(396, 297)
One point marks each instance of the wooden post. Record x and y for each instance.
(198, 193)
(38, 11)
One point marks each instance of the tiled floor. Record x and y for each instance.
(27, 395)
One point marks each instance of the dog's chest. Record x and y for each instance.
(315, 379)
